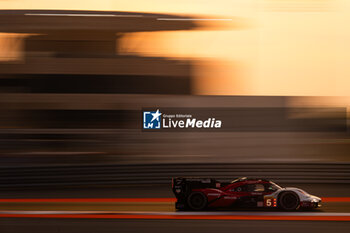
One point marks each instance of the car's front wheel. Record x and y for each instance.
(197, 201)
(289, 201)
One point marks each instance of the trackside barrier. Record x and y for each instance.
(162, 173)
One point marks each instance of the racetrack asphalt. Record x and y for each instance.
(131, 209)
(42, 225)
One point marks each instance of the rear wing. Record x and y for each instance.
(183, 186)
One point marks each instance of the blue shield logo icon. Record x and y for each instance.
(151, 120)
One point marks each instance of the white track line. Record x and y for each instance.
(180, 213)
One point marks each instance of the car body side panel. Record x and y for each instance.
(229, 195)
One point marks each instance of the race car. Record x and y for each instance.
(202, 193)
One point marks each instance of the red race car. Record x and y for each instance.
(202, 193)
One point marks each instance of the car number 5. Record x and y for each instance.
(268, 202)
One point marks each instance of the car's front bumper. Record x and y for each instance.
(311, 204)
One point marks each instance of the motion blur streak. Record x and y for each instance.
(129, 200)
(335, 199)
(91, 200)
(192, 217)
(73, 83)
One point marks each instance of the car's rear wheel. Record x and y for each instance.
(197, 201)
(289, 201)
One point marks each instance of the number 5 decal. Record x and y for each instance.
(270, 202)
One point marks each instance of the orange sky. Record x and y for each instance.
(291, 47)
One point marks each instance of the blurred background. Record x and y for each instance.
(74, 77)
